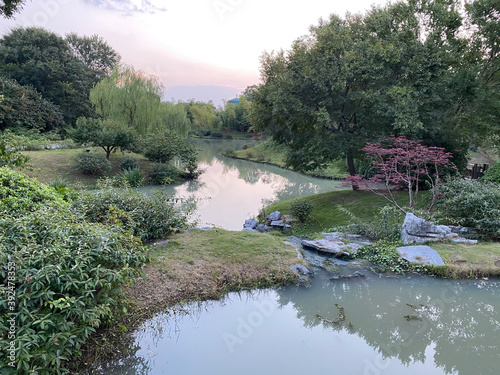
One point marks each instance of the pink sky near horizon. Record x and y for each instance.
(188, 43)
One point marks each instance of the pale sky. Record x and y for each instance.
(203, 49)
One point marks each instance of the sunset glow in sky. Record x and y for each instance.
(203, 49)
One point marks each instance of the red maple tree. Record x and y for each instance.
(401, 164)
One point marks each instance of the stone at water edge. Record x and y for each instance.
(332, 245)
(273, 216)
(420, 254)
(250, 224)
(417, 230)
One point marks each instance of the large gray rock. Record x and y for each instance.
(332, 243)
(273, 216)
(302, 272)
(250, 224)
(262, 228)
(420, 254)
(417, 230)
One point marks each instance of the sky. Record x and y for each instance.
(201, 49)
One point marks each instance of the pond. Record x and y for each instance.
(372, 325)
(232, 190)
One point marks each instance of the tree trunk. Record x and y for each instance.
(351, 167)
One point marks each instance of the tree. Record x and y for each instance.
(107, 134)
(95, 53)
(10, 157)
(403, 164)
(9, 7)
(23, 106)
(398, 69)
(203, 114)
(41, 59)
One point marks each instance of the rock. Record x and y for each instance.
(277, 223)
(417, 230)
(249, 229)
(302, 272)
(250, 224)
(332, 245)
(420, 254)
(464, 240)
(273, 216)
(262, 228)
(342, 277)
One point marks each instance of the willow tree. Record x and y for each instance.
(133, 97)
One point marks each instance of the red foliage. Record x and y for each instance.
(401, 164)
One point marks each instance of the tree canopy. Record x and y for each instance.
(403, 69)
(9, 7)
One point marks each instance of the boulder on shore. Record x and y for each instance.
(332, 243)
(420, 254)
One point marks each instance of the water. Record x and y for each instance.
(231, 190)
(277, 331)
(451, 327)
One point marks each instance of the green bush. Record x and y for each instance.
(148, 216)
(20, 194)
(217, 135)
(492, 174)
(163, 174)
(471, 203)
(228, 136)
(229, 152)
(93, 164)
(66, 274)
(301, 209)
(128, 162)
(206, 133)
(385, 225)
(132, 177)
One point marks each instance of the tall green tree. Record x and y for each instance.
(95, 53)
(353, 79)
(134, 98)
(41, 59)
(23, 106)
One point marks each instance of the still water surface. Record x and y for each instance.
(232, 190)
(451, 327)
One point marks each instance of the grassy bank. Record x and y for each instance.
(53, 165)
(196, 265)
(469, 261)
(329, 209)
(270, 153)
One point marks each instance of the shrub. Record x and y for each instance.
(229, 152)
(93, 164)
(217, 135)
(301, 209)
(385, 225)
(20, 194)
(206, 133)
(67, 274)
(163, 174)
(149, 216)
(132, 177)
(245, 147)
(492, 174)
(228, 136)
(128, 162)
(471, 203)
(249, 154)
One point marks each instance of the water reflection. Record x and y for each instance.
(233, 190)
(277, 331)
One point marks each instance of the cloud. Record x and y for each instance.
(127, 7)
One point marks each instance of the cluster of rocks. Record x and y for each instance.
(274, 221)
(418, 230)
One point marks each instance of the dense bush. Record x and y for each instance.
(60, 275)
(492, 174)
(386, 224)
(163, 174)
(132, 177)
(93, 163)
(471, 203)
(20, 194)
(148, 216)
(128, 162)
(217, 135)
(301, 209)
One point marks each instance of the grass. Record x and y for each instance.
(469, 261)
(52, 165)
(271, 153)
(327, 212)
(200, 265)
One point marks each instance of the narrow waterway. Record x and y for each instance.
(372, 325)
(231, 190)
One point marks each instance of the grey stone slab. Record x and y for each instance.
(421, 254)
